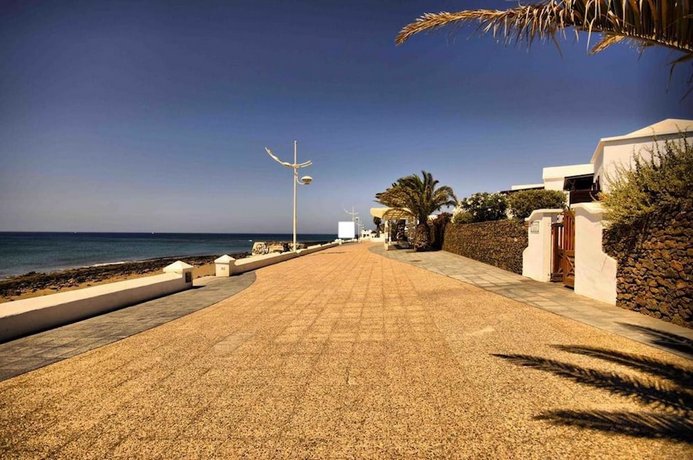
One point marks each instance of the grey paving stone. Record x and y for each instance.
(38, 350)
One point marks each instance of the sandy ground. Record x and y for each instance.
(198, 272)
(346, 354)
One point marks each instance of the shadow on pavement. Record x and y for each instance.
(642, 425)
(664, 392)
(665, 339)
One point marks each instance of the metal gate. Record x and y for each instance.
(563, 247)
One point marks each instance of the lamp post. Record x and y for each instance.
(354, 219)
(305, 180)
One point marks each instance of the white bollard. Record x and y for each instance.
(181, 268)
(223, 266)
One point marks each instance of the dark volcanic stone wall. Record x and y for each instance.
(655, 265)
(498, 243)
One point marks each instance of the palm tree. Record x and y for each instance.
(667, 23)
(417, 197)
(377, 221)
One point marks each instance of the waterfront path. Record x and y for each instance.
(349, 354)
(38, 350)
(552, 297)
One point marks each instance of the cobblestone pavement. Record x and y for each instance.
(38, 350)
(347, 354)
(552, 297)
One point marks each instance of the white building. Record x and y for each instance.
(567, 246)
(575, 180)
(610, 152)
(619, 150)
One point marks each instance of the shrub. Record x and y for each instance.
(522, 203)
(485, 206)
(662, 181)
(460, 216)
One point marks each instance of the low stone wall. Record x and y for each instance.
(655, 265)
(230, 266)
(28, 316)
(499, 243)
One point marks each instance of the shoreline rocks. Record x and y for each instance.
(57, 280)
(31, 282)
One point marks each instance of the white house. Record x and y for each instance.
(567, 246)
(555, 176)
(575, 180)
(619, 150)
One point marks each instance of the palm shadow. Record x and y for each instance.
(679, 375)
(664, 391)
(650, 425)
(665, 339)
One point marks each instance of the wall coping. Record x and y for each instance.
(591, 208)
(178, 267)
(542, 213)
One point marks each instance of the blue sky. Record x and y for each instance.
(153, 116)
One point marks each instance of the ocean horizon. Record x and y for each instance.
(24, 252)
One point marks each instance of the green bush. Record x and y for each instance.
(484, 206)
(460, 216)
(664, 181)
(522, 203)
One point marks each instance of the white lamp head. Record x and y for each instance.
(306, 180)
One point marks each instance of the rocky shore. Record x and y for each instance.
(46, 283)
(34, 284)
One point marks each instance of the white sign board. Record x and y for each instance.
(346, 230)
(534, 228)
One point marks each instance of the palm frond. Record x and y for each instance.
(417, 194)
(654, 22)
(606, 41)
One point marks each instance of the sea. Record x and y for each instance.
(23, 252)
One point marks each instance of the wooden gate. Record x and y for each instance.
(563, 247)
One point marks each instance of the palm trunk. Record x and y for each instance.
(422, 237)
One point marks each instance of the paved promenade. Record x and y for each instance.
(552, 297)
(349, 354)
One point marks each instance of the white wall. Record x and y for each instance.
(595, 271)
(620, 153)
(255, 262)
(536, 258)
(554, 176)
(555, 183)
(27, 316)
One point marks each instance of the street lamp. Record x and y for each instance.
(354, 220)
(305, 180)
